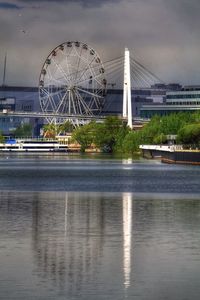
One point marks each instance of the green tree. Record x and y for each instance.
(2, 138)
(84, 135)
(158, 128)
(189, 135)
(24, 130)
(108, 133)
(65, 127)
(50, 130)
(160, 139)
(123, 131)
(172, 123)
(130, 143)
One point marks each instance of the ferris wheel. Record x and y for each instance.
(72, 81)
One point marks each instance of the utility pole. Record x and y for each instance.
(127, 108)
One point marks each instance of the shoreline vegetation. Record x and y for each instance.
(114, 136)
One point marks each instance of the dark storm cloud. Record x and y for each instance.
(84, 3)
(186, 11)
(6, 5)
(162, 34)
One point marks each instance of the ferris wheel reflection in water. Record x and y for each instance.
(74, 263)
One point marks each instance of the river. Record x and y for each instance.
(91, 228)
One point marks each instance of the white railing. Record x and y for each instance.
(168, 148)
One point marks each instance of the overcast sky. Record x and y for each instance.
(164, 35)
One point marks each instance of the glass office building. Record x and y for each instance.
(187, 99)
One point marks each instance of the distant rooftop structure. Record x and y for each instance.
(191, 88)
(170, 86)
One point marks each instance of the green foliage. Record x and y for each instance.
(172, 123)
(107, 136)
(114, 136)
(189, 135)
(130, 143)
(196, 117)
(110, 134)
(84, 135)
(119, 138)
(51, 130)
(24, 130)
(160, 139)
(2, 138)
(65, 127)
(156, 131)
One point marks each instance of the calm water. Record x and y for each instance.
(98, 229)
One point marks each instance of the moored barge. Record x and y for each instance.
(174, 154)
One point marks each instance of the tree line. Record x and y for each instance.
(114, 136)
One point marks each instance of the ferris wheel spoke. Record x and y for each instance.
(61, 101)
(62, 109)
(73, 100)
(53, 104)
(61, 70)
(80, 108)
(46, 104)
(67, 63)
(45, 100)
(88, 66)
(86, 61)
(51, 78)
(56, 81)
(74, 103)
(78, 102)
(69, 52)
(50, 99)
(82, 102)
(54, 93)
(94, 77)
(44, 91)
(98, 82)
(78, 63)
(89, 93)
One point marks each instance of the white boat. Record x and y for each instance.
(32, 145)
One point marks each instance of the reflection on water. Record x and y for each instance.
(67, 239)
(127, 235)
(99, 246)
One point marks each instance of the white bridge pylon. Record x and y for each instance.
(127, 108)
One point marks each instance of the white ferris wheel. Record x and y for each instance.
(72, 81)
